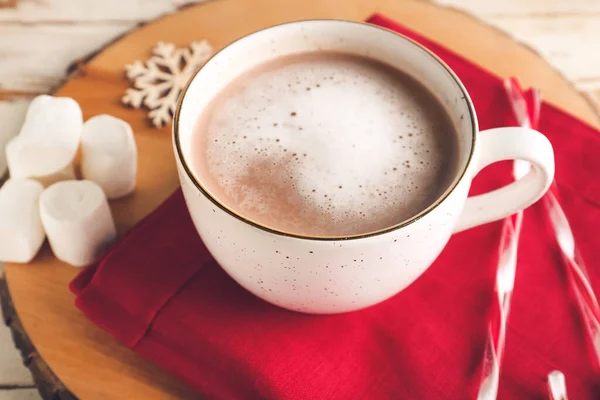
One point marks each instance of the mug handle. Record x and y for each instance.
(513, 143)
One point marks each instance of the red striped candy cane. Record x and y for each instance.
(578, 277)
(557, 387)
(505, 278)
(505, 274)
(576, 273)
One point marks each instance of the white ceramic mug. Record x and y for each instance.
(339, 274)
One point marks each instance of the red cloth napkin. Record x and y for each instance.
(160, 292)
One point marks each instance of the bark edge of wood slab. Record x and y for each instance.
(46, 382)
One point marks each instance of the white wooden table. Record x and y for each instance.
(40, 38)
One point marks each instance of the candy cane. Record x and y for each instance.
(578, 277)
(576, 272)
(557, 387)
(505, 274)
(505, 278)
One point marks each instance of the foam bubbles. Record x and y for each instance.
(325, 144)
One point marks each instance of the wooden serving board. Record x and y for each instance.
(69, 355)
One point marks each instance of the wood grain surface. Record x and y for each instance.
(88, 361)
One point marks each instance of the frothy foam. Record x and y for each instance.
(325, 144)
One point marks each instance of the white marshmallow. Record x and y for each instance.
(21, 231)
(77, 220)
(48, 141)
(109, 155)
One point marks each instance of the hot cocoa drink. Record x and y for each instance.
(325, 144)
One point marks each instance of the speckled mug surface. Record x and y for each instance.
(339, 274)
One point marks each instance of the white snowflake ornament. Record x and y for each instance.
(158, 83)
